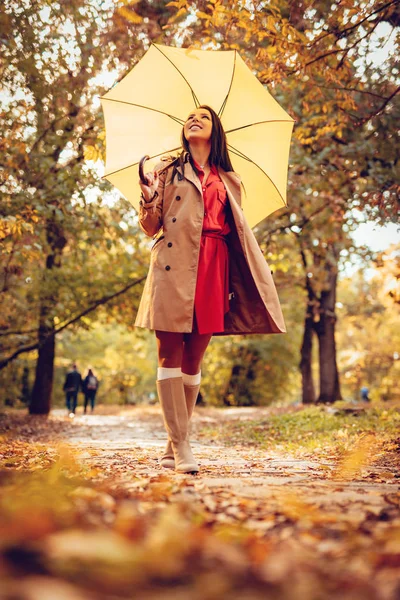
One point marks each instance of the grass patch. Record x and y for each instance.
(311, 428)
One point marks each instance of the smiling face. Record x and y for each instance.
(198, 125)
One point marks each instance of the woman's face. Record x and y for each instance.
(198, 125)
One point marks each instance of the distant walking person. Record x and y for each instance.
(90, 385)
(73, 382)
(365, 394)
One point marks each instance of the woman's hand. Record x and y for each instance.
(152, 184)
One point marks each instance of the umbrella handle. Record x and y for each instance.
(142, 176)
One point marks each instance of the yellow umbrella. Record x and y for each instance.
(144, 114)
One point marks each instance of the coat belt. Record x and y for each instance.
(214, 234)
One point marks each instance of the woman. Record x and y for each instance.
(207, 274)
(90, 385)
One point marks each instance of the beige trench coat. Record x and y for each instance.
(168, 296)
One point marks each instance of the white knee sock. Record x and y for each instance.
(168, 372)
(191, 379)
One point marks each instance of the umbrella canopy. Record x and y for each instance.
(145, 112)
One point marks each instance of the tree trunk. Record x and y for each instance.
(42, 389)
(308, 390)
(329, 389)
(235, 383)
(327, 365)
(239, 390)
(338, 393)
(25, 393)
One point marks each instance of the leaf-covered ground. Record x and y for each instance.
(290, 504)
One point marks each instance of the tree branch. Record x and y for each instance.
(340, 34)
(36, 345)
(301, 224)
(380, 109)
(7, 333)
(344, 50)
(349, 89)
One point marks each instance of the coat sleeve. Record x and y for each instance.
(151, 213)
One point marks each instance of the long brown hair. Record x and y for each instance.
(219, 155)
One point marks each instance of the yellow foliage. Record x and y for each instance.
(299, 509)
(364, 453)
(130, 15)
(14, 226)
(180, 13)
(91, 153)
(202, 15)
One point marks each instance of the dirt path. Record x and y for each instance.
(253, 524)
(135, 438)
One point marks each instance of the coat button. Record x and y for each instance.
(205, 214)
(169, 244)
(177, 198)
(167, 268)
(174, 219)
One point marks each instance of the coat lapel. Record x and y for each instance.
(232, 186)
(191, 176)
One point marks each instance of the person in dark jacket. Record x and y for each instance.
(72, 385)
(90, 385)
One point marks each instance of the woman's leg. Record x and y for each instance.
(195, 345)
(173, 402)
(194, 348)
(170, 349)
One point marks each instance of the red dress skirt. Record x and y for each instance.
(212, 288)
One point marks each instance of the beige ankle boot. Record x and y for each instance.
(173, 403)
(191, 392)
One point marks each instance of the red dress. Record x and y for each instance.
(212, 288)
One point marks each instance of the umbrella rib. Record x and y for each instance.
(180, 121)
(259, 123)
(221, 110)
(238, 153)
(195, 98)
(241, 155)
(134, 164)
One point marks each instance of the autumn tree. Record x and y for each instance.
(68, 246)
(317, 62)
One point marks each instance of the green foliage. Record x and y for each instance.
(246, 371)
(68, 243)
(125, 362)
(311, 428)
(368, 332)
